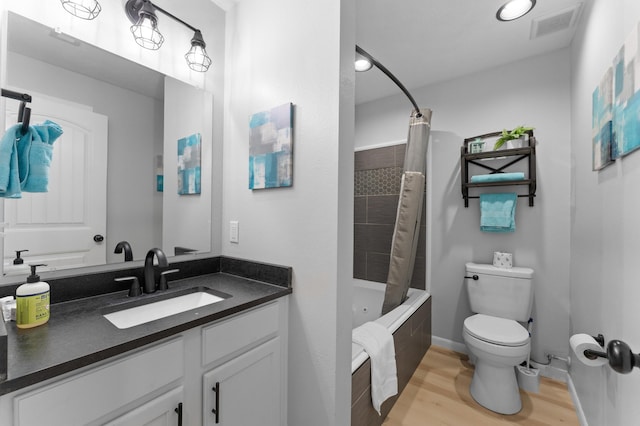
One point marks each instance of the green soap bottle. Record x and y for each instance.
(32, 301)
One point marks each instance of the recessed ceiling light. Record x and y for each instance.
(515, 9)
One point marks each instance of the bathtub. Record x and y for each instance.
(410, 324)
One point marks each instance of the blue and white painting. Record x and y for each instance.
(601, 122)
(271, 148)
(626, 88)
(189, 149)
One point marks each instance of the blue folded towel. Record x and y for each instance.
(25, 159)
(497, 177)
(35, 152)
(9, 178)
(497, 212)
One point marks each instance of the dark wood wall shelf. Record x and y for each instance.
(483, 160)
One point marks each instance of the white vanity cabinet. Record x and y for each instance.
(171, 382)
(246, 389)
(91, 396)
(165, 410)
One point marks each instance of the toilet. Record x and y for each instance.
(497, 342)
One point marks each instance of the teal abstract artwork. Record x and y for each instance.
(626, 105)
(189, 149)
(271, 148)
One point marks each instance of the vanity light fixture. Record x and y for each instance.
(84, 9)
(142, 13)
(145, 30)
(197, 57)
(364, 62)
(514, 9)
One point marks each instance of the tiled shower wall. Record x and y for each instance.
(377, 188)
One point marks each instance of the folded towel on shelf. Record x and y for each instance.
(9, 176)
(497, 212)
(377, 342)
(497, 177)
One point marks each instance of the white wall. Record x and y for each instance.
(532, 92)
(605, 232)
(290, 51)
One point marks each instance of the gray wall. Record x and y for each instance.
(605, 232)
(532, 92)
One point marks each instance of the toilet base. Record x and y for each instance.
(496, 388)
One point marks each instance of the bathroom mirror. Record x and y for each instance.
(135, 105)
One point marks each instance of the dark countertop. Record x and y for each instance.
(78, 335)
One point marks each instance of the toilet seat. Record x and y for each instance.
(499, 331)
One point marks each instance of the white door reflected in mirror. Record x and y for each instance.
(58, 227)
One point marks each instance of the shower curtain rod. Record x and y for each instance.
(391, 76)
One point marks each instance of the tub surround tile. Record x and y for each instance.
(360, 265)
(379, 238)
(382, 209)
(377, 267)
(377, 179)
(360, 209)
(375, 158)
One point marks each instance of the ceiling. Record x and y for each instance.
(429, 41)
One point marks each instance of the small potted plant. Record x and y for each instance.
(517, 133)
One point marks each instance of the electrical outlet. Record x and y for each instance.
(234, 231)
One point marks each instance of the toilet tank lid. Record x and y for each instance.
(516, 271)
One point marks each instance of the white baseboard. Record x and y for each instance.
(576, 402)
(449, 344)
(549, 371)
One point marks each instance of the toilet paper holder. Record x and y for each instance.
(621, 358)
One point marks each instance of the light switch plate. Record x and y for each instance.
(233, 231)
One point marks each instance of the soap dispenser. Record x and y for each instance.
(32, 301)
(18, 260)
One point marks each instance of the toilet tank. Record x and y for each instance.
(500, 292)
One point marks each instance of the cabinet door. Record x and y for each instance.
(246, 390)
(165, 410)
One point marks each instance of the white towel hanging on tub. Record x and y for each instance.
(377, 341)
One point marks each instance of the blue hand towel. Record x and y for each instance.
(497, 177)
(35, 152)
(9, 176)
(497, 212)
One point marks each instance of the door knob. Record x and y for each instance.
(98, 238)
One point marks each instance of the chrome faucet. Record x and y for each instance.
(149, 271)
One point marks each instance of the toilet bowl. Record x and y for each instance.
(497, 346)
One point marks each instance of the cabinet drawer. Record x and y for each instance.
(239, 332)
(91, 395)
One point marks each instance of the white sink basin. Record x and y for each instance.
(152, 311)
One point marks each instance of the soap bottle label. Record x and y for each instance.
(32, 309)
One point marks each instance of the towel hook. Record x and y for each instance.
(24, 112)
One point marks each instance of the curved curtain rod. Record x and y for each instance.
(391, 76)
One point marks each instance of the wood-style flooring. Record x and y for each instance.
(438, 394)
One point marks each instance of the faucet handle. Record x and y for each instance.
(134, 290)
(163, 278)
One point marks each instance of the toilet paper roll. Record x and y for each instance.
(502, 260)
(580, 343)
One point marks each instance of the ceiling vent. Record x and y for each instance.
(558, 21)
